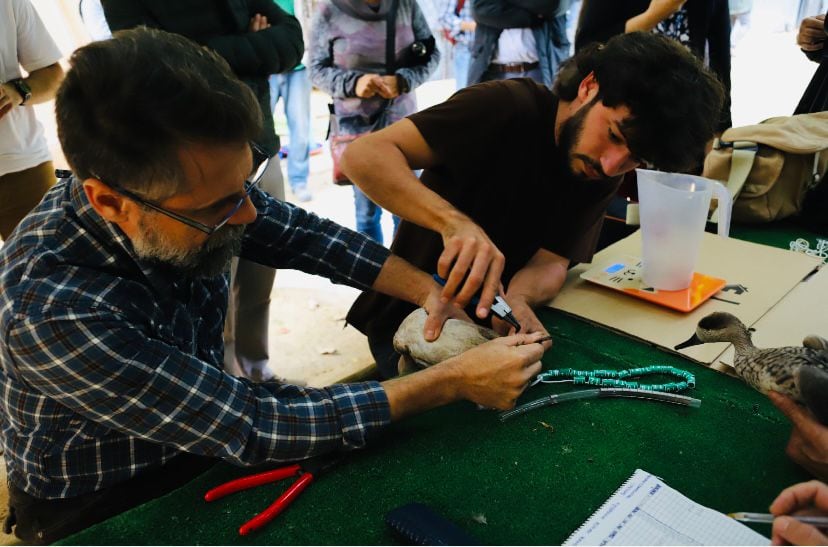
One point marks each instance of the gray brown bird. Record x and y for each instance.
(800, 372)
(457, 337)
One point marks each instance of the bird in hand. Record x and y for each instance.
(800, 372)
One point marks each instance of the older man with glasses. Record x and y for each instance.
(261, 161)
(113, 293)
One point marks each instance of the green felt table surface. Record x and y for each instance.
(530, 480)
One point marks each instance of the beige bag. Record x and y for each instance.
(770, 167)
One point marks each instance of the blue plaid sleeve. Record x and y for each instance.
(107, 370)
(286, 236)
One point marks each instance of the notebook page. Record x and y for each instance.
(645, 511)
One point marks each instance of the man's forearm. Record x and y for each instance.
(400, 279)
(424, 390)
(44, 83)
(644, 21)
(652, 16)
(383, 172)
(380, 164)
(536, 285)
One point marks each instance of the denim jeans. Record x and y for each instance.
(294, 88)
(368, 216)
(462, 58)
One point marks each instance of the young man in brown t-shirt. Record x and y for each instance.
(517, 177)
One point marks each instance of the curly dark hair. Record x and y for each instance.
(129, 104)
(673, 99)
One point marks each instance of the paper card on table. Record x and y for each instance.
(645, 511)
(758, 277)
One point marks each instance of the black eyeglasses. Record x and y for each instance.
(260, 160)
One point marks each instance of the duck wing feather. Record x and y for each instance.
(775, 368)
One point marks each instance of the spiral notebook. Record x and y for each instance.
(645, 511)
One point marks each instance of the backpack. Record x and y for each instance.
(773, 169)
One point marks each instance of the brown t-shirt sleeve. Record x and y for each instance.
(466, 129)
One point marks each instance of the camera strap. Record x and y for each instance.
(391, 38)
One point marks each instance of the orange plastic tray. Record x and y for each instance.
(624, 275)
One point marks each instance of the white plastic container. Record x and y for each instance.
(673, 209)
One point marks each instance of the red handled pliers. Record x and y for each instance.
(306, 472)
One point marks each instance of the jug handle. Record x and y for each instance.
(724, 208)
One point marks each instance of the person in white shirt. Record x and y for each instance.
(26, 170)
(518, 39)
(94, 19)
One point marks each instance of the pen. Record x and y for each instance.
(500, 308)
(820, 522)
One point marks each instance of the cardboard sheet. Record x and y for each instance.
(758, 278)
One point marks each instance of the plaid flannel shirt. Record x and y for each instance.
(110, 366)
(450, 22)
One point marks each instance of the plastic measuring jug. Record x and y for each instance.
(673, 209)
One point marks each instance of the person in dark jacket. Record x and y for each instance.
(812, 36)
(257, 39)
(703, 26)
(231, 28)
(518, 39)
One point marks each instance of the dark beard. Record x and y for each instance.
(569, 136)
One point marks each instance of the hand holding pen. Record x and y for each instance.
(792, 506)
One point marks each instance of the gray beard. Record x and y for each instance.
(210, 260)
